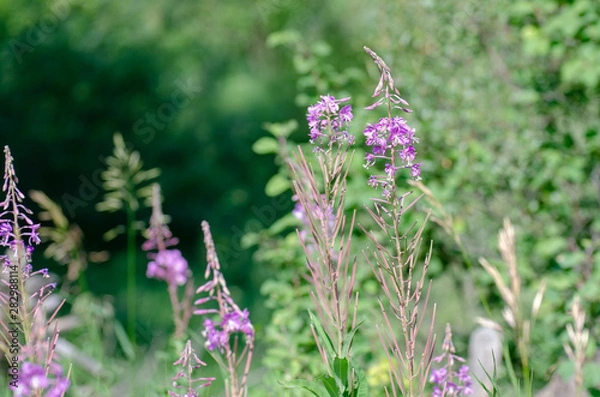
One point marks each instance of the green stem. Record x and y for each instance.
(131, 259)
(83, 284)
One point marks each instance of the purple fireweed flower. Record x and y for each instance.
(463, 374)
(5, 232)
(438, 375)
(218, 335)
(34, 380)
(238, 322)
(232, 319)
(390, 170)
(61, 387)
(17, 231)
(166, 264)
(345, 115)
(415, 171)
(213, 337)
(373, 181)
(446, 381)
(326, 121)
(20, 234)
(391, 139)
(169, 265)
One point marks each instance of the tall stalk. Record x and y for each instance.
(125, 185)
(131, 273)
(394, 257)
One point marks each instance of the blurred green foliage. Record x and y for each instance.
(506, 106)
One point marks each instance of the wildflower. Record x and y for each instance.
(214, 338)
(33, 380)
(373, 181)
(169, 265)
(20, 234)
(438, 375)
(446, 381)
(390, 170)
(391, 139)
(15, 220)
(238, 322)
(5, 232)
(232, 321)
(327, 121)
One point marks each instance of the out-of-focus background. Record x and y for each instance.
(505, 96)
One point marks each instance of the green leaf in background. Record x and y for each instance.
(591, 374)
(283, 37)
(277, 185)
(283, 130)
(265, 145)
(551, 246)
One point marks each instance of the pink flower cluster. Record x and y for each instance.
(446, 381)
(34, 380)
(217, 335)
(169, 265)
(327, 121)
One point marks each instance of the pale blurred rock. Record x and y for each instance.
(559, 387)
(485, 346)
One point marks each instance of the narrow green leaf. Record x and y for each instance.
(347, 343)
(324, 339)
(124, 341)
(331, 386)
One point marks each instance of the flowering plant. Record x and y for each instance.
(27, 341)
(223, 336)
(168, 264)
